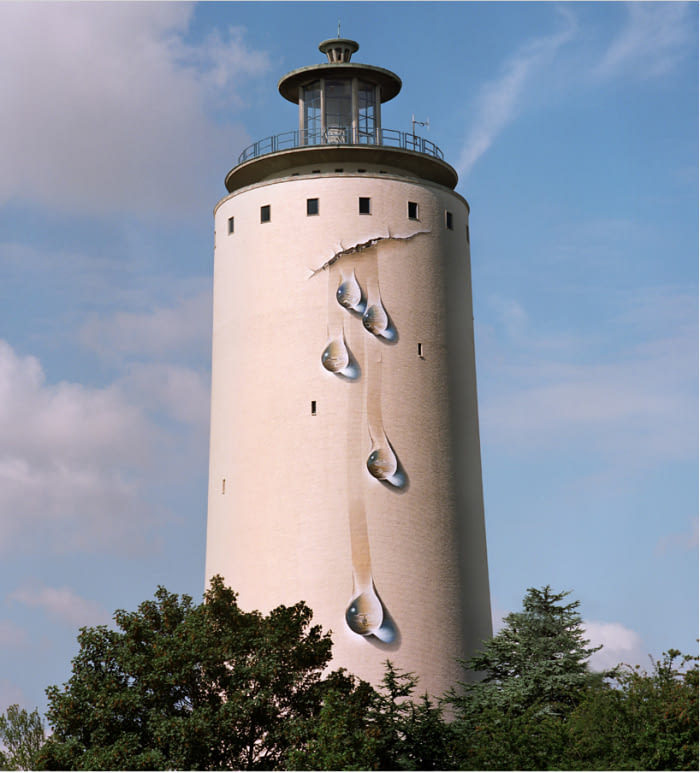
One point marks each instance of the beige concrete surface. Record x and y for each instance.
(300, 516)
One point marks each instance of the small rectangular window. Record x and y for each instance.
(412, 210)
(338, 170)
(315, 171)
(468, 242)
(223, 485)
(312, 206)
(364, 206)
(313, 407)
(361, 171)
(448, 220)
(230, 225)
(265, 214)
(420, 350)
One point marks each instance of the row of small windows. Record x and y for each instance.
(364, 208)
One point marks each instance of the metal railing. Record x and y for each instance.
(340, 135)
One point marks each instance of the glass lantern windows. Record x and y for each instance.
(339, 111)
(338, 106)
(312, 113)
(366, 106)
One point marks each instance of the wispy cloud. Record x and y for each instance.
(654, 38)
(683, 541)
(636, 405)
(620, 645)
(499, 100)
(107, 107)
(12, 635)
(61, 604)
(182, 327)
(72, 461)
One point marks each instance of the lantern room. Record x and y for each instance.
(339, 101)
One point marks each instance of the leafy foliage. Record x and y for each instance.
(188, 687)
(22, 735)
(376, 730)
(645, 722)
(533, 674)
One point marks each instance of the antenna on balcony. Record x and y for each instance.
(425, 123)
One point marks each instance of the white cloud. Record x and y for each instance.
(655, 37)
(183, 327)
(105, 105)
(72, 462)
(620, 645)
(181, 393)
(61, 604)
(499, 100)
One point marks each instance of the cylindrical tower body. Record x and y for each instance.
(344, 462)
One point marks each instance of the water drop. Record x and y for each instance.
(364, 614)
(338, 359)
(335, 357)
(382, 462)
(376, 320)
(350, 295)
(384, 465)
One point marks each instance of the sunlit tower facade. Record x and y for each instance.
(345, 465)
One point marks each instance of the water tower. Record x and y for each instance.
(345, 465)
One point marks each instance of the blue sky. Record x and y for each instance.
(574, 130)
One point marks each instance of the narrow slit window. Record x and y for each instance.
(361, 171)
(230, 225)
(412, 210)
(420, 350)
(312, 206)
(316, 171)
(364, 205)
(223, 485)
(265, 213)
(448, 220)
(313, 407)
(468, 242)
(338, 170)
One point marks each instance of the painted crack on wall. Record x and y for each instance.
(361, 246)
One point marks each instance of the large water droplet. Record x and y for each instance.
(338, 359)
(335, 357)
(382, 462)
(384, 465)
(364, 614)
(376, 320)
(350, 295)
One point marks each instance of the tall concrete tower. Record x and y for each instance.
(345, 466)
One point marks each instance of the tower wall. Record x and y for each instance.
(294, 513)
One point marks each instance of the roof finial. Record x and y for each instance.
(338, 27)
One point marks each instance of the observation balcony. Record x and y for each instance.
(272, 156)
(302, 138)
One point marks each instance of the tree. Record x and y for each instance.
(186, 686)
(642, 722)
(22, 735)
(534, 673)
(381, 729)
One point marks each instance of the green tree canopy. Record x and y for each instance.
(533, 673)
(645, 721)
(184, 686)
(22, 735)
